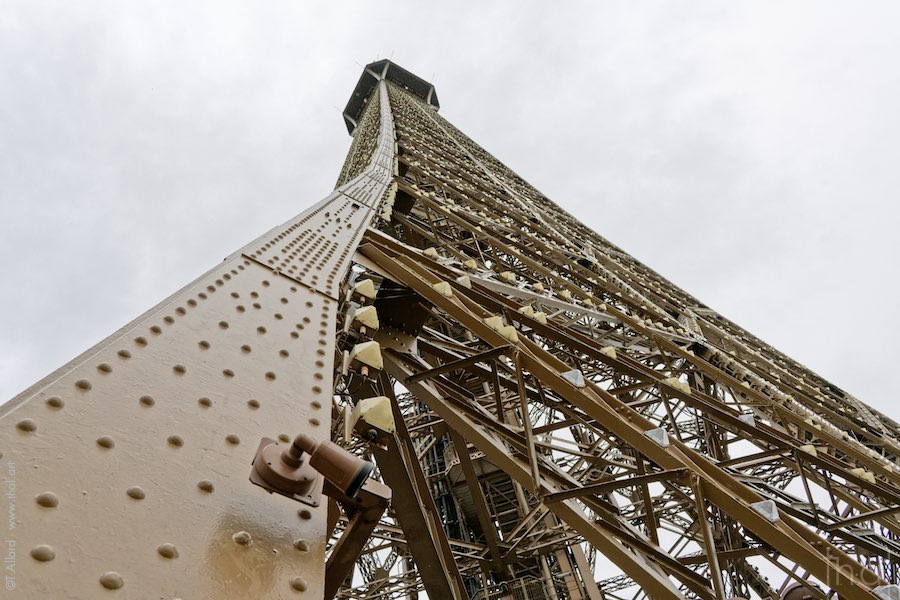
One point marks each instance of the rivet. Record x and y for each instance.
(147, 401)
(261, 329)
(136, 492)
(304, 514)
(27, 425)
(295, 335)
(111, 580)
(168, 319)
(203, 344)
(167, 550)
(47, 500)
(180, 311)
(55, 402)
(246, 348)
(284, 353)
(180, 369)
(205, 402)
(298, 584)
(227, 372)
(175, 440)
(314, 422)
(156, 329)
(223, 324)
(284, 437)
(206, 485)
(83, 384)
(316, 389)
(232, 438)
(43, 553)
(124, 354)
(105, 442)
(316, 404)
(253, 403)
(243, 538)
(301, 545)
(140, 341)
(270, 375)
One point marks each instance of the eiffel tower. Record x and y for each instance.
(546, 417)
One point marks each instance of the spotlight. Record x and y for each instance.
(294, 470)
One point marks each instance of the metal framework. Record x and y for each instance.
(554, 419)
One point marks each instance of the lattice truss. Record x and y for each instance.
(569, 424)
(554, 420)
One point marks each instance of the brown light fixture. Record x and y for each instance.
(294, 470)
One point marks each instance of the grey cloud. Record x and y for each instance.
(747, 152)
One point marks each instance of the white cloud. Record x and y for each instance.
(746, 151)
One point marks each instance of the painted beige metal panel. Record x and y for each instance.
(126, 471)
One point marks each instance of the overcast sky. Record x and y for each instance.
(747, 151)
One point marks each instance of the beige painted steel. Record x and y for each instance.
(126, 471)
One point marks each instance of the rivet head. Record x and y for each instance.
(47, 499)
(180, 369)
(253, 403)
(301, 545)
(232, 438)
(104, 368)
(243, 538)
(105, 441)
(147, 401)
(167, 550)
(43, 553)
(83, 384)
(175, 440)
(111, 580)
(304, 514)
(205, 402)
(283, 437)
(136, 492)
(206, 485)
(298, 584)
(55, 402)
(27, 425)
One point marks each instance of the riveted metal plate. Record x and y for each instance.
(127, 470)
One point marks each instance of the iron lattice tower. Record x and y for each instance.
(554, 419)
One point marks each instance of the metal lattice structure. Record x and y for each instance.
(554, 419)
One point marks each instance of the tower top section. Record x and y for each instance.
(375, 72)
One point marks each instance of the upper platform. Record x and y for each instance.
(375, 72)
